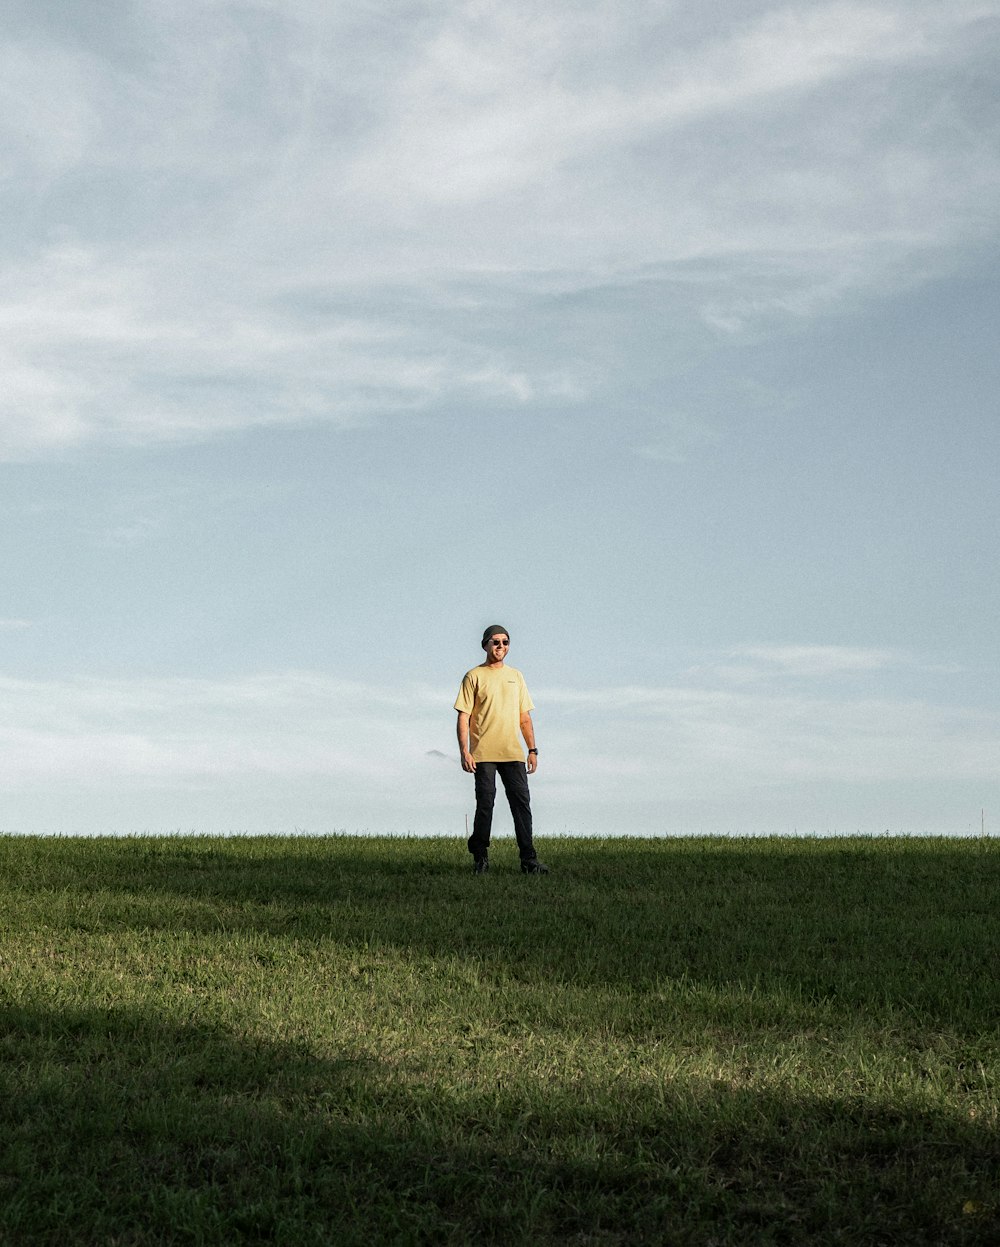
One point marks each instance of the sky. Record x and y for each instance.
(664, 334)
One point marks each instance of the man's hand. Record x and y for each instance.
(468, 763)
(532, 763)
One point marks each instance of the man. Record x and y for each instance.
(493, 706)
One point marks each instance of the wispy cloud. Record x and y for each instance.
(125, 356)
(501, 96)
(298, 192)
(252, 751)
(751, 664)
(698, 743)
(757, 138)
(291, 724)
(818, 660)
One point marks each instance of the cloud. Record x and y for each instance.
(750, 136)
(96, 349)
(288, 724)
(259, 751)
(696, 743)
(818, 660)
(501, 96)
(276, 223)
(270, 750)
(751, 664)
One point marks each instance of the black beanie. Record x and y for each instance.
(491, 631)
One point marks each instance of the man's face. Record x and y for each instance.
(497, 646)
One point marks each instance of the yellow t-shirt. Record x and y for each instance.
(494, 698)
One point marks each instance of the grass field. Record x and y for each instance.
(353, 1040)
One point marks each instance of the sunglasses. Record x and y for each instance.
(494, 641)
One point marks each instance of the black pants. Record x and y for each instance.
(514, 776)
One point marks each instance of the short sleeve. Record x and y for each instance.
(466, 699)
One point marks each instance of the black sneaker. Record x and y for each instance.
(534, 867)
(481, 865)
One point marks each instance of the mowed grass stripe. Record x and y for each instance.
(351, 1039)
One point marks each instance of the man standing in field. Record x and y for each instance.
(493, 707)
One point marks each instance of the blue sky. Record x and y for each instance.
(664, 334)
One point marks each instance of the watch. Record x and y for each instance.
(532, 751)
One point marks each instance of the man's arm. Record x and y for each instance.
(463, 742)
(528, 732)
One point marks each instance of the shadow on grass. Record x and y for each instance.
(118, 1127)
(867, 927)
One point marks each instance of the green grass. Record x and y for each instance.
(354, 1040)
